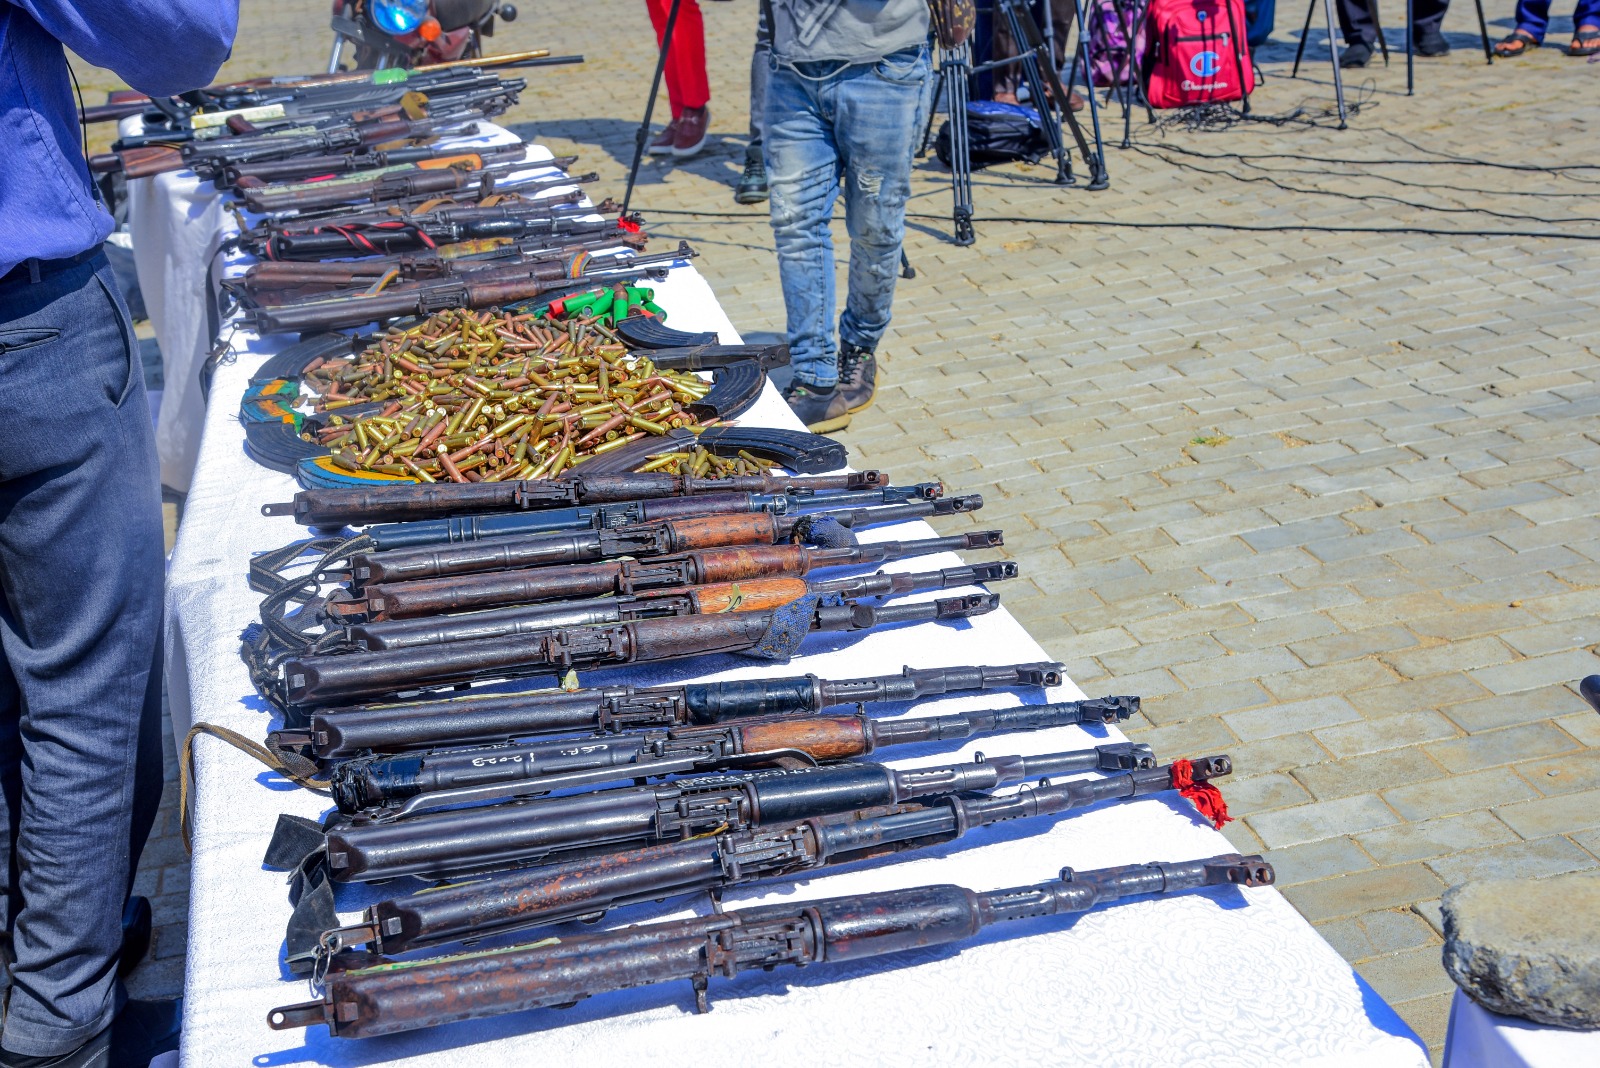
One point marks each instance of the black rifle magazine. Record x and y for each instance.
(795, 451)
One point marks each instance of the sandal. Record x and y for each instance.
(1519, 42)
(1586, 42)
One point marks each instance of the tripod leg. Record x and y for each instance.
(906, 270)
(1411, 85)
(1304, 30)
(1026, 34)
(955, 86)
(1098, 177)
(1377, 27)
(643, 135)
(1333, 60)
(1483, 31)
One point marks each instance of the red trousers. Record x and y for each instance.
(687, 86)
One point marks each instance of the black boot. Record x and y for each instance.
(1430, 42)
(1356, 55)
(752, 188)
(135, 934)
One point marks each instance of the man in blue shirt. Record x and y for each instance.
(80, 538)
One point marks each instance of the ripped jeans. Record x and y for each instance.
(830, 126)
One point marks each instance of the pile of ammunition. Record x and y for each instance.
(488, 395)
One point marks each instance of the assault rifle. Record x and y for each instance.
(351, 278)
(774, 634)
(715, 598)
(272, 282)
(589, 887)
(339, 507)
(419, 533)
(253, 92)
(479, 289)
(405, 189)
(392, 997)
(437, 844)
(559, 217)
(210, 158)
(626, 578)
(456, 776)
(363, 164)
(664, 537)
(331, 733)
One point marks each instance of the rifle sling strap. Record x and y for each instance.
(297, 769)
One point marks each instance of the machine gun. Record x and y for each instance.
(391, 997)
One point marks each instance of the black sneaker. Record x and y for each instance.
(820, 410)
(858, 377)
(1356, 55)
(1431, 42)
(752, 188)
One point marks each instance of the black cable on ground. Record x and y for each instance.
(1245, 227)
(1510, 216)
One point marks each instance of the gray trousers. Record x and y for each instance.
(81, 573)
(759, 72)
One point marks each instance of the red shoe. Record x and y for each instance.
(662, 145)
(694, 126)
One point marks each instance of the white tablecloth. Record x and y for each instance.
(1224, 976)
(1478, 1038)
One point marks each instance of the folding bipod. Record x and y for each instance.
(1048, 97)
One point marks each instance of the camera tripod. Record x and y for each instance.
(1049, 98)
(1383, 45)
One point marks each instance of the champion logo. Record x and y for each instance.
(1205, 64)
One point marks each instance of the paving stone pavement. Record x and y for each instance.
(1326, 500)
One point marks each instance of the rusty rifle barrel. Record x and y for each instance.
(426, 993)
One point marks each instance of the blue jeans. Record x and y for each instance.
(81, 571)
(830, 126)
(1534, 16)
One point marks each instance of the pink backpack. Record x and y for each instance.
(1110, 25)
(1197, 53)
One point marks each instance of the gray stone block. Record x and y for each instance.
(1529, 949)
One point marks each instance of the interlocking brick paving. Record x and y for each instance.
(1326, 500)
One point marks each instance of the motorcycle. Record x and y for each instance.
(412, 33)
